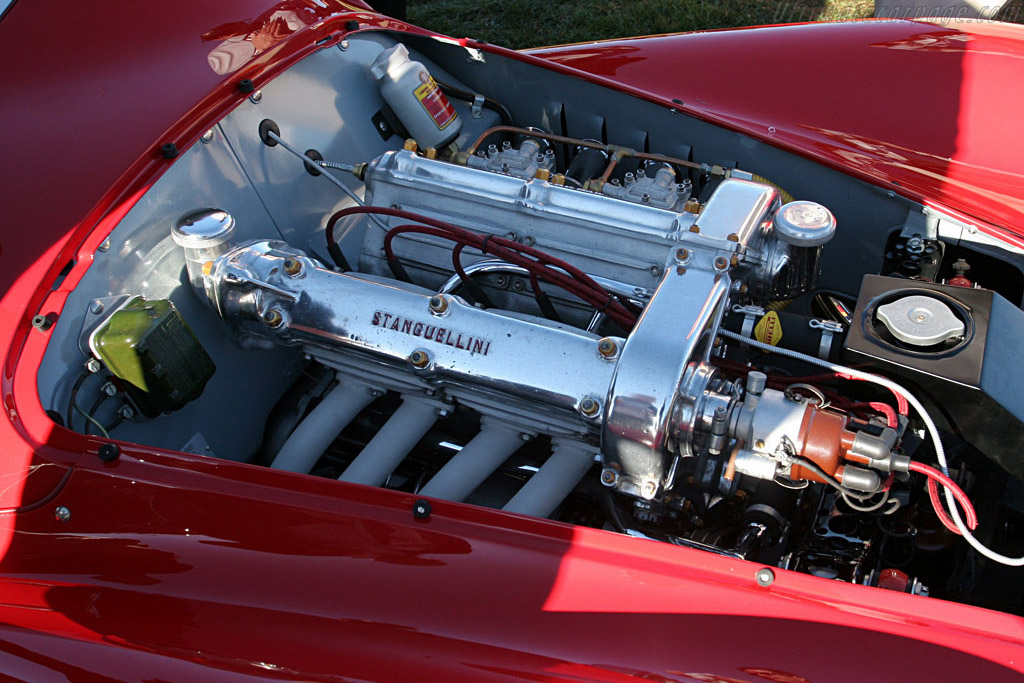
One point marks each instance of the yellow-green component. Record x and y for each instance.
(149, 346)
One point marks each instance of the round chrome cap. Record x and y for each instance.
(804, 224)
(204, 229)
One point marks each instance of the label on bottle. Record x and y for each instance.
(434, 102)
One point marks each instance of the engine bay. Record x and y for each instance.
(413, 266)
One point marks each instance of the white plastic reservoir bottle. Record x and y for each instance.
(416, 99)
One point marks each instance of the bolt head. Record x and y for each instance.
(438, 304)
(273, 318)
(648, 489)
(419, 359)
(607, 347)
(62, 514)
(292, 266)
(256, 97)
(590, 407)
(721, 263)
(764, 577)
(655, 271)
(343, 45)
(96, 307)
(682, 255)
(609, 476)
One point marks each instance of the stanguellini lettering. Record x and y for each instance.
(435, 333)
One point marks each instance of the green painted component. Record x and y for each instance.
(149, 346)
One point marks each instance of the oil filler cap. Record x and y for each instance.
(804, 224)
(920, 320)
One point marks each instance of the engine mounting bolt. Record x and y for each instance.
(590, 407)
(609, 476)
(607, 347)
(721, 263)
(419, 359)
(682, 255)
(655, 271)
(765, 577)
(292, 266)
(273, 318)
(62, 514)
(438, 304)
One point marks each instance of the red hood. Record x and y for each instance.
(933, 112)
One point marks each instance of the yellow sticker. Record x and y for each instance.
(769, 329)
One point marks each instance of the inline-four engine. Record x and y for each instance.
(612, 356)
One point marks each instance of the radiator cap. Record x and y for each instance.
(920, 320)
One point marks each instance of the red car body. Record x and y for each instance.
(167, 566)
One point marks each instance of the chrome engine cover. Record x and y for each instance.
(643, 404)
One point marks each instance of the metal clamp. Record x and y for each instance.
(829, 328)
(478, 106)
(751, 314)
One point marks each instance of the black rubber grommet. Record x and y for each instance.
(168, 150)
(42, 322)
(266, 127)
(109, 452)
(311, 168)
(421, 509)
(351, 25)
(245, 86)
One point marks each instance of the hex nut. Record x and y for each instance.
(273, 318)
(590, 407)
(438, 304)
(419, 359)
(292, 266)
(607, 347)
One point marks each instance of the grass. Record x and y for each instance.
(528, 23)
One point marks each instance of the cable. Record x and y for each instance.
(323, 169)
(547, 267)
(467, 96)
(934, 479)
(72, 396)
(93, 420)
(933, 433)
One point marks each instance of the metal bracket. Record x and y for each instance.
(478, 106)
